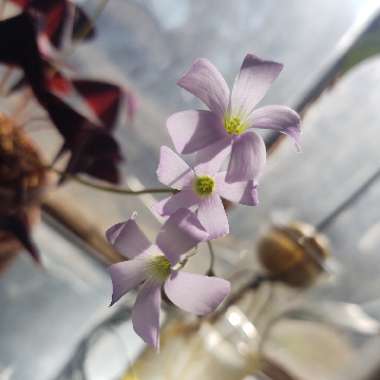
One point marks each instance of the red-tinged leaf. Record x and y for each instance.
(94, 150)
(21, 3)
(17, 225)
(57, 82)
(54, 21)
(18, 47)
(68, 122)
(97, 154)
(104, 99)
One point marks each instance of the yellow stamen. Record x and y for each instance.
(234, 125)
(204, 185)
(159, 268)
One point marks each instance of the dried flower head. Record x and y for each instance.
(22, 172)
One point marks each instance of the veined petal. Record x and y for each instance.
(127, 238)
(196, 293)
(184, 199)
(209, 160)
(252, 83)
(193, 130)
(213, 217)
(172, 171)
(278, 118)
(126, 276)
(181, 232)
(248, 158)
(244, 192)
(205, 82)
(146, 313)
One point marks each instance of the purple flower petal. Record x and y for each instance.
(248, 158)
(181, 232)
(279, 118)
(252, 83)
(127, 238)
(184, 199)
(196, 293)
(213, 217)
(193, 130)
(146, 313)
(172, 171)
(205, 82)
(126, 276)
(244, 192)
(210, 159)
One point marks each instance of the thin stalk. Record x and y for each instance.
(7, 74)
(110, 188)
(210, 271)
(355, 196)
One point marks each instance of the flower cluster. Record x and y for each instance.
(228, 157)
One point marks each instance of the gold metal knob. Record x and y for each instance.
(295, 253)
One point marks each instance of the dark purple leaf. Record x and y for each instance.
(104, 99)
(94, 150)
(17, 225)
(55, 15)
(18, 47)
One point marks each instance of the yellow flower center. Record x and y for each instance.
(234, 125)
(204, 185)
(159, 268)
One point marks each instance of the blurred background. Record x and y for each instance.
(332, 70)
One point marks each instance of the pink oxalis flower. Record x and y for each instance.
(232, 119)
(201, 189)
(155, 266)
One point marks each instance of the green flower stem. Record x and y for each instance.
(210, 271)
(110, 188)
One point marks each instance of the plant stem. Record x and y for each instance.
(4, 79)
(110, 188)
(210, 271)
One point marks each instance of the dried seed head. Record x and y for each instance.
(22, 173)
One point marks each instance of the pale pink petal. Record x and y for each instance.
(146, 313)
(127, 238)
(193, 130)
(209, 160)
(196, 293)
(172, 171)
(184, 199)
(126, 276)
(244, 192)
(278, 118)
(181, 232)
(212, 216)
(248, 158)
(205, 82)
(252, 83)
